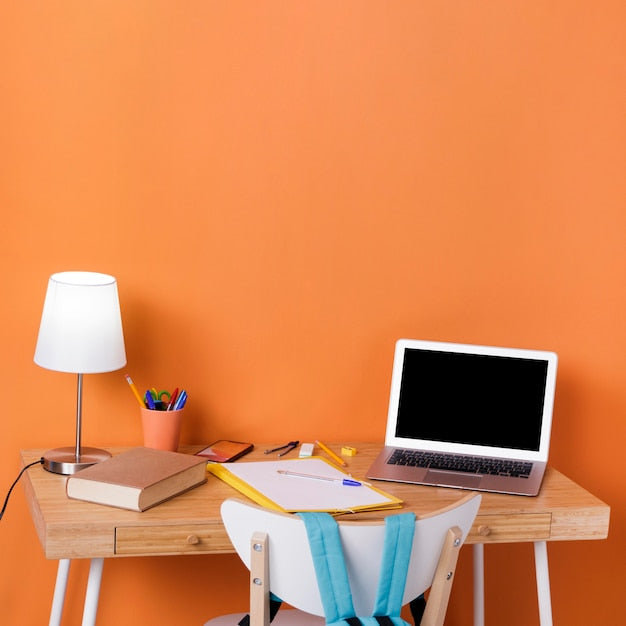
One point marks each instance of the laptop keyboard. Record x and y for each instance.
(460, 463)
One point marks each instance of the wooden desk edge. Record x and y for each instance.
(588, 519)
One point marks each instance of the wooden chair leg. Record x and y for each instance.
(259, 581)
(439, 594)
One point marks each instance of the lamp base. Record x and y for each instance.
(64, 461)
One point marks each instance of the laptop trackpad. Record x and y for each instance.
(457, 479)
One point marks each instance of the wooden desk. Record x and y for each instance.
(191, 523)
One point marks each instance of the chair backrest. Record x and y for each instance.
(438, 537)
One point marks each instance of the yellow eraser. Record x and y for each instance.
(348, 451)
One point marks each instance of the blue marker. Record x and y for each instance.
(149, 400)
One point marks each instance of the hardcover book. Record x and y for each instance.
(137, 479)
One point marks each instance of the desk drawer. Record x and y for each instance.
(510, 528)
(187, 539)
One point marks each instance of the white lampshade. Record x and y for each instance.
(81, 325)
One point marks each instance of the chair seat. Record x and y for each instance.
(284, 617)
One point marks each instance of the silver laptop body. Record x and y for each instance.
(470, 417)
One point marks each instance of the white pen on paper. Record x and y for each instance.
(348, 482)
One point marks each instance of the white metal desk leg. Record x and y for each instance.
(479, 584)
(93, 592)
(58, 600)
(543, 583)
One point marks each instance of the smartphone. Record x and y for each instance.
(225, 451)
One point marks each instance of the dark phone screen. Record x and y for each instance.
(223, 451)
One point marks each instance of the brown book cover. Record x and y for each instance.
(137, 479)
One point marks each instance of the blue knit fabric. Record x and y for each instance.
(332, 576)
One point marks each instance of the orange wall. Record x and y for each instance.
(282, 189)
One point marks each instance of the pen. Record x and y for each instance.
(348, 482)
(131, 384)
(331, 453)
(172, 401)
(180, 402)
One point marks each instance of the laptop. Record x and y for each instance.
(469, 417)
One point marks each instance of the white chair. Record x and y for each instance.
(274, 547)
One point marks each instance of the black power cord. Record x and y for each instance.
(39, 462)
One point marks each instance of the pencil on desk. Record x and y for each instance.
(331, 454)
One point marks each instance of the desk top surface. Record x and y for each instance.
(67, 528)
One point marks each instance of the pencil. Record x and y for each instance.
(331, 453)
(131, 384)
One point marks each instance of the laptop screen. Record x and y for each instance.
(462, 398)
(474, 399)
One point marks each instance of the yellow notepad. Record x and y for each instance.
(262, 482)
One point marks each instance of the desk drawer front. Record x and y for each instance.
(189, 539)
(510, 528)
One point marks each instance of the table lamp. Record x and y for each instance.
(81, 333)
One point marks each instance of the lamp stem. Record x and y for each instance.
(79, 413)
(70, 460)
